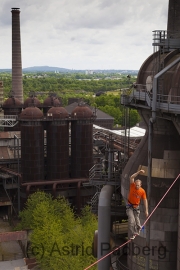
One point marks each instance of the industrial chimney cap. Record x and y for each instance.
(15, 10)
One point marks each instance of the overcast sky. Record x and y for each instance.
(82, 34)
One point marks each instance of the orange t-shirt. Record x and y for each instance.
(135, 195)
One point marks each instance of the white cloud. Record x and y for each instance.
(81, 34)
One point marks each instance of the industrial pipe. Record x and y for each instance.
(149, 187)
(55, 183)
(104, 221)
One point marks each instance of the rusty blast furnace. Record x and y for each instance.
(156, 95)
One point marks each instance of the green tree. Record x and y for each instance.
(134, 117)
(60, 239)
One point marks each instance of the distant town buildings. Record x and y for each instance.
(87, 72)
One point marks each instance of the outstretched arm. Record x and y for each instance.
(134, 175)
(146, 207)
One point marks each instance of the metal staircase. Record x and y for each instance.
(8, 120)
(94, 202)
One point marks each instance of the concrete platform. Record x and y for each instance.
(13, 265)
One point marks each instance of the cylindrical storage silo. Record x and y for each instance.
(12, 106)
(81, 141)
(57, 143)
(51, 101)
(32, 101)
(32, 144)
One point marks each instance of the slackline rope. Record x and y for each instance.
(141, 226)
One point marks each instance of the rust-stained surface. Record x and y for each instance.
(81, 142)
(12, 102)
(82, 111)
(32, 101)
(13, 236)
(32, 145)
(12, 106)
(7, 145)
(9, 135)
(57, 113)
(58, 144)
(51, 101)
(31, 113)
(6, 153)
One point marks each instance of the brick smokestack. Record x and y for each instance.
(17, 85)
(173, 25)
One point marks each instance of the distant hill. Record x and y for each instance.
(45, 69)
(5, 70)
(65, 70)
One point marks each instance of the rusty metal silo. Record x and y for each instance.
(32, 144)
(57, 143)
(81, 141)
(51, 101)
(156, 95)
(32, 101)
(17, 85)
(12, 107)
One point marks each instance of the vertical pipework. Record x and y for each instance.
(17, 86)
(104, 220)
(150, 134)
(173, 25)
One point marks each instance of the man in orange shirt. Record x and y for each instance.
(136, 193)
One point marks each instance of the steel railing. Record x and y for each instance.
(169, 103)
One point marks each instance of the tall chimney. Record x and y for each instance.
(17, 85)
(173, 25)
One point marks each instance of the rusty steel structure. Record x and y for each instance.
(32, 101)
(12, 106)
(17, 85)
(81, 141)
(51, 101)
(32, 144)
(56, 151)
(156, 95)
(57, 136)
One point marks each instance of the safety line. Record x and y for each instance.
(142, 226)
(107, 255)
